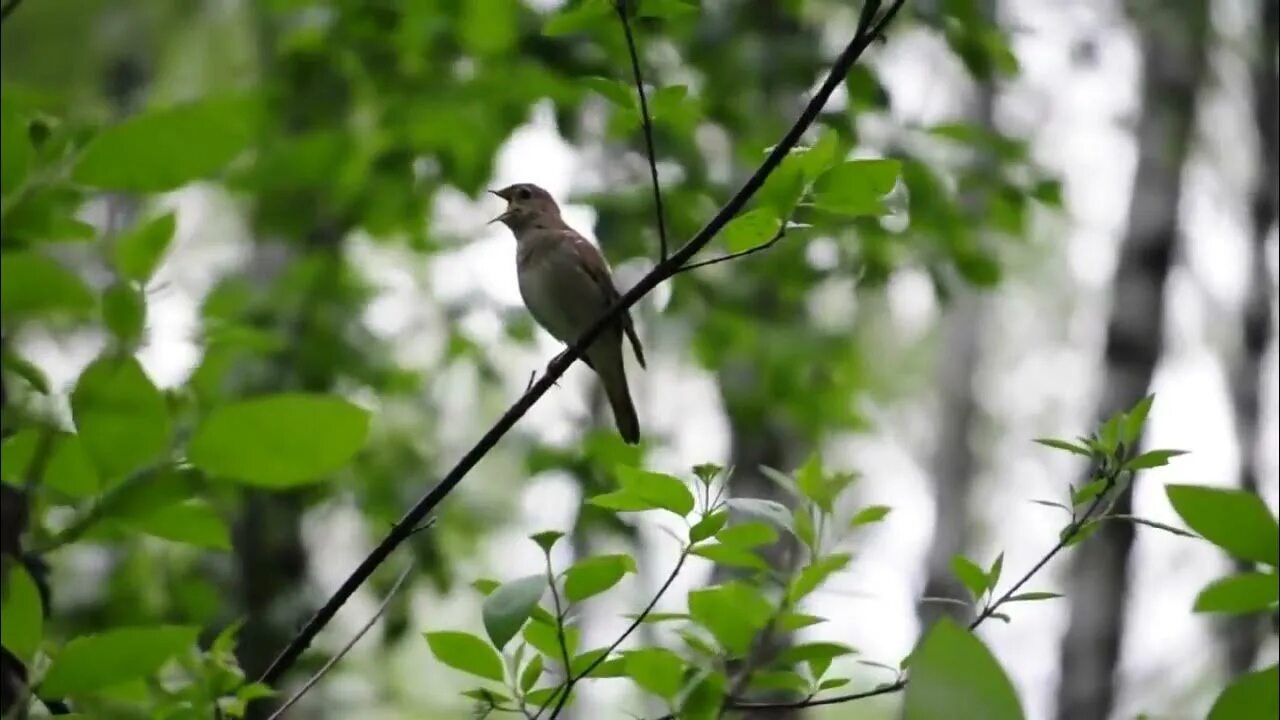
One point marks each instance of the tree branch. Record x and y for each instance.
(646, 122)
(386, 602)
(782, 232)
(863, 39)
(8, 9)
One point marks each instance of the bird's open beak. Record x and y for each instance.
(506, 213)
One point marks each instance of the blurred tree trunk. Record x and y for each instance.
(1244, 633)
(1173, 40)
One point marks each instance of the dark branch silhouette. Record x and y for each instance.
(647, 124)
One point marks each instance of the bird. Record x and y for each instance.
(567, 285)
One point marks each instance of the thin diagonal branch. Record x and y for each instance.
(990, 610)
(863, 39)
(646, 122)
(782, 232)
(635, 623)
(373, 619)
(8, 9)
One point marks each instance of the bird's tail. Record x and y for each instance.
(613, 376)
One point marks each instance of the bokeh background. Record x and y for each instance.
(1087, 214)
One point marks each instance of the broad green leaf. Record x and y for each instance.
(954, 676)
(819, 653)
(529, 676)
(815, 574)
(25, 369)
(91, 663)
(1234, 520)
(666, 101)
(1090, 491)
(750, 229)
(545, 639)
(1152, 459)
(279, 440)
(507, 608)
(122, 419)
(658, 490)
(832, 684)
(16, 152)
(32, 284)
(993, 574)
(819, 158)
(708, 526)
(1064, 445)
(747, 535)
(705, 697)
(666, 9)
(595, 575)
(486, 695)
(1239, 594)
(656, 670)
(785, 680)
(771, 510)
(543, 696)
(620, 501)
(856, 187)
(1252, 695)
(968, 572)
(615, 91)
(811, 481)
(1134, 420)
(466, 652)
(731, 556)
(192, 522)
(733, 613)
(46, 213)
(137, 252)
(788, 621)
(70, 470)
(546, 539)
(609, 668)
(1032, 596)
(870, 514)
(166, 148)
(22, 614)
(124, 311)
(586, 15)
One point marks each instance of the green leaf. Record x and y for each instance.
(657, 490)
(708, 526)
(832, 684)
(1152, 458)
(1089, 492)
(25, 369)
(546, 539)
(1239, 594)
(870, 514)
(954, 676)
(1134, 420)
(529, 676)
(96, 662)
(585, 15)
(789, 621)
(666, 9)
(666, 101)
(544, 696)
(16, 152)
(704, 699)
(466, 652)
(46, 213)
(811, 482)
(615, 91)
(488, 696)
(608, 668)
(137, 252)
(731, 556)
(1064, 445)
(595, 575)
(771, 510)
(32, 284)
(1234, 520)
(1032, 596)
(857, 187)
(70, 471)
(507, 608)
(656, 670)
(279, 440)
(819, 653)
(748, 535)
(121, 417)
(815, 574)
(993, 574)
(192, 522)
(166, 148)
(784, 680)
(545, 639)
(620, 501)
(1252, 695)
(750, 229)
(733, 613)
(22, 615)
(124, 312)
(969, 573)
(707, 472)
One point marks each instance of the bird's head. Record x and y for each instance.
(526, 203)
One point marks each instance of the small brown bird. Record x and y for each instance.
(567, 286)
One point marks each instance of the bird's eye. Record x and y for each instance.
(522, 193)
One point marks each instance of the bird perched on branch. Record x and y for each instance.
(567, 286)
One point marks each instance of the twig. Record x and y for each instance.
(635, 623)
(646, 123)
(664, 270)
(782, 232)
(1066, 537)
(8, 9)
(564, 646)
(386, 602)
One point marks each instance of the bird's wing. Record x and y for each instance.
(593, 262)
